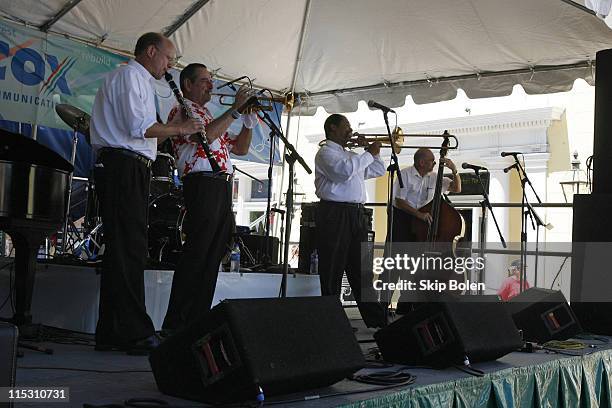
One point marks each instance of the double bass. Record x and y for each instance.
(446, 228)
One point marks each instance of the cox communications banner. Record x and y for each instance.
(38, 71)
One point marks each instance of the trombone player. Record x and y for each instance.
(209, 222)
(341, 220)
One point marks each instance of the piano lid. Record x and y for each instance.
(18, 148)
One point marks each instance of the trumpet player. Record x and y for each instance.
(209, 222)
(341, 219)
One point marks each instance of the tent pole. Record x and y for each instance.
(296, 70)
(298, 58)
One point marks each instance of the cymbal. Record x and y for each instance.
(75, 118)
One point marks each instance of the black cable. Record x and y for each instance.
(589, 165)
(470, 370)
(558, 272)
(386, 377)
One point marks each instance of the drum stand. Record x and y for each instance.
(90, 238)
(91, 226)
(75, 139)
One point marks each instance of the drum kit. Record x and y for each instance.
(166, 209)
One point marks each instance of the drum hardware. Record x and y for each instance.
(79, 122)
(91, 246)
(165, 234)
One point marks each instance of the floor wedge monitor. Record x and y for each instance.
(242, 346)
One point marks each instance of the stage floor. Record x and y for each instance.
(516, 380)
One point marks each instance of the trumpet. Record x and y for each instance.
(287, 101)
(398, 139)
(362, 140)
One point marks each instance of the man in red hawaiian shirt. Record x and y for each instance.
(209, 221)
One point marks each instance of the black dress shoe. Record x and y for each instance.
(144, 346)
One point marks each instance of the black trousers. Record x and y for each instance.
(208, 226)
(123, 190)
(340, 231)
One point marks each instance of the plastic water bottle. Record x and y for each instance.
(235, 259)
(314, 263)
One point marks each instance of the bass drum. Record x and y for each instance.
(166, 215)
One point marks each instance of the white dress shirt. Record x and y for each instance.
(124, 109)
(418, 190)
(340, 174)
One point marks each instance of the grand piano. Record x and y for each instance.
(33, 198)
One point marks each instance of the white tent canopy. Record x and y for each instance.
(337, 52)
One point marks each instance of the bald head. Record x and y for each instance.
(156, 53)
(424, 161)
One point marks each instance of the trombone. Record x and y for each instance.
(397, 136)
(287, 101)
(362, 140)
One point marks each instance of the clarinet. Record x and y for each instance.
(200, 136)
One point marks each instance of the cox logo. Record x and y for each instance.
(29, 68)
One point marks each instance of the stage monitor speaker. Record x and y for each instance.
(282, 345)
(543, 315)
(444, 333)
(8, 357)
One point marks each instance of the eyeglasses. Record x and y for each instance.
(171, 60)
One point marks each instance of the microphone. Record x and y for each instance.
(377, 105)
(504, 154)
(507, 169)
(473, 167)
(231, 82)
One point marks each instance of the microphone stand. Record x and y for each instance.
(267, 256)
(484, 205)
(247, 174)
(526, 211)
(290, 157)
(392, 169)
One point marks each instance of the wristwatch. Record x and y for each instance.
(235, 114)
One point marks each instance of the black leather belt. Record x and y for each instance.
(124, 152)
(343, 204)
(211, 174)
